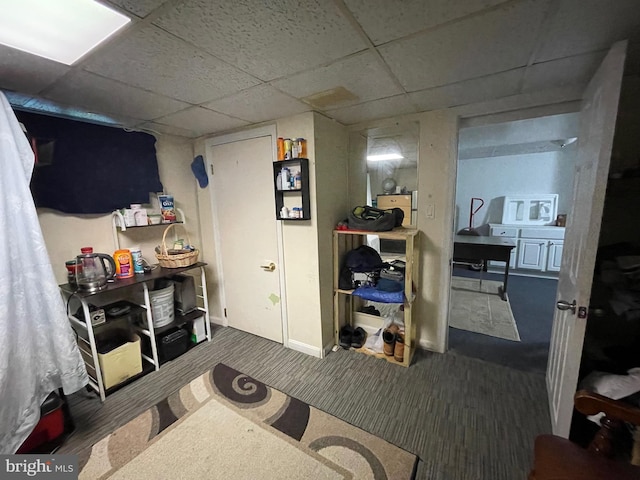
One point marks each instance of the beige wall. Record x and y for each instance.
(208, 250)
(357, 169)
(300, 248)
(436, 184)
(65, 234)
(332, 203)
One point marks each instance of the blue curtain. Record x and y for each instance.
(89, 169)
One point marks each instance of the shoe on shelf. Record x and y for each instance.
(398, 351)
(346, 336)
(389, 339)
(358, 338)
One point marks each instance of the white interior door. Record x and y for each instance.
(597, 123)
(244, 206)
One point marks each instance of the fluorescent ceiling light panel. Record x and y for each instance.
(60, 30)
(385, 156)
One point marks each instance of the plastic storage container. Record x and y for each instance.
(162, 309)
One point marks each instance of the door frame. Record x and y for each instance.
(258, 132)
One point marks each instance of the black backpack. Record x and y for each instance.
(375, 220)
(361, 266)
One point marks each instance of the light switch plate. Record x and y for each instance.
(430, 211)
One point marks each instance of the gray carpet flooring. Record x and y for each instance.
(465, 418)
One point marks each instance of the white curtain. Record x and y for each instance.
(38, 352)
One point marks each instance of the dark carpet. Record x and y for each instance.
(533, 303)
(464, 418)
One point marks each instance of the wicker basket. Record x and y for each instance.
(179, 260)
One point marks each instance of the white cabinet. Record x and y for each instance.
(508, 232)
(538, 248)
(554, 255)
(531, 254)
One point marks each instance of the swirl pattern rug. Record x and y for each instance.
(225, 424)
(480, 309)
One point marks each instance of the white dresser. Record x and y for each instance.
(538, 248)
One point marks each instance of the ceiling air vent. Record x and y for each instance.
(330, 98)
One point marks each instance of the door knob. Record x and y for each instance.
(268, 268)
(564, 305)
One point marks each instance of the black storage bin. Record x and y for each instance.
(173, 343)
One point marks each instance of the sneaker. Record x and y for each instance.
(358, 338)
(345, 337)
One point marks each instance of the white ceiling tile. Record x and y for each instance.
(155, 60)
(153, 127)
(386, 20)
(361, 74)
(523, 100)
(201, 121)
(386, 107)
(580, 26)
(141, 8)
(565, 71)
(258, 104)
(469, 91)
(100, 94)
(496, 41)
(267, 39)
(27, 73)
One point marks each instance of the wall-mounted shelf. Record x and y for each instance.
(118, 224)
(292, 197)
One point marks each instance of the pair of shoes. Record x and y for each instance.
(350, 337)
(393, 343)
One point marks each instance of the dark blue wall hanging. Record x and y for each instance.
(90, 169)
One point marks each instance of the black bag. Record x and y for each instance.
(362, 266)
(375, 220)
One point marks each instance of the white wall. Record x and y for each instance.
(493, 178)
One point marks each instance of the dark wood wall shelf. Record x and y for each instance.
(300, 195)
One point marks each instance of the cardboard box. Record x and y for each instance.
(122, 362)
(198, 331)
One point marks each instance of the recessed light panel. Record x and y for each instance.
(60, 30)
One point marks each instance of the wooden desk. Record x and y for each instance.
(485, 248)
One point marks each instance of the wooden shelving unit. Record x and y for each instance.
(345, 303)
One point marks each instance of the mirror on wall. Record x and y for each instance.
(384, 168)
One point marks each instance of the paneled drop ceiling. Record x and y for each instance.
(196, 67)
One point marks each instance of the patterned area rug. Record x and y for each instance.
(225, 424)
(481, 310)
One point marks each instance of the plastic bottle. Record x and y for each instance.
(285, 178)
(136, 255)
(124, 263)
(280, 148)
